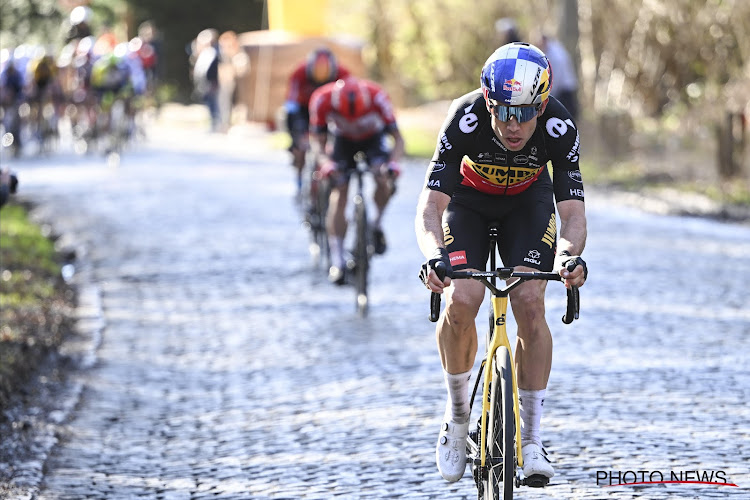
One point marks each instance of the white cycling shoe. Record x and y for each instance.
(536, 463)
(450, 453)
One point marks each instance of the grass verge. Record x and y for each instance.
(35, 302)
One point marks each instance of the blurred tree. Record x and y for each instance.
(30, 21)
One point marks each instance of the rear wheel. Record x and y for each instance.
(501, 431)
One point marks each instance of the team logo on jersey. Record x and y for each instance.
(573, 153)
(457, 258)
(511, 85)
(497, 179)
(533, 257)
(558, 128)
(438, 166)
(444, 144)
(575, 175)
(468, 123)
(521, 159)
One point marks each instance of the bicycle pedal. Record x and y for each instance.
(536, 481)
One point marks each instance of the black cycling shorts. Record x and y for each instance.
(527, 229)
(375, 149)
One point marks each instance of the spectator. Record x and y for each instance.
(565, 87)
(228, 48)
(206, 73)
(507, 31)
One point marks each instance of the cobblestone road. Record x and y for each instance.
(227, 368)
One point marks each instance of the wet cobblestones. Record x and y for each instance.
(229, 369)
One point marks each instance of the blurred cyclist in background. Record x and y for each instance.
(321, 67)
(12, 89)
(358, 114)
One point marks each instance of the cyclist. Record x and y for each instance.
(490, 165)
(44, 92)
(12, 96)
(359, 116)
(319, 68)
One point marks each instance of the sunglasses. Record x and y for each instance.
(521, 113)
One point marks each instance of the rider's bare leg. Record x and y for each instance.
(534, 342)
(336, 223)
(533, 355)
(382, 195)
(456, 330)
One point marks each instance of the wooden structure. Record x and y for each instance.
(273, 55)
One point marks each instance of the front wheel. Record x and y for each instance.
(361, 255)
(501, 429)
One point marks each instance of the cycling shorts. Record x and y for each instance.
(527, 229)
(297, 122)
(375, 149)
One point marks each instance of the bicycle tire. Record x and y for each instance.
(361, 255)
(320, 233)
(501, 431)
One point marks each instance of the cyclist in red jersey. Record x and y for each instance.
(490, 165)
(358, 114)
(319, 68)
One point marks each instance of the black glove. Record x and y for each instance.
(573, 262)
(440, 262)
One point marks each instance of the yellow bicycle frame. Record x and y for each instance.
(499, 338)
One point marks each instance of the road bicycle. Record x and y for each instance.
(359, 262)
(494, 448)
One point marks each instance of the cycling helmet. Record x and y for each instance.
(321, 66)
(516, 74)
(350, 98)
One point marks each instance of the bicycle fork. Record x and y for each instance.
(499, 339)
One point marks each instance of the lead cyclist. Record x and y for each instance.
(490, 164)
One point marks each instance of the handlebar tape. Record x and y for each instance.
(573, 307)
(435, 297)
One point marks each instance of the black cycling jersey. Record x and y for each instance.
(469, 157)
(489, 183)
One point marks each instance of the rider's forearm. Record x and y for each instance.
(398, 147)
(428, 223)
(318, 143)
(572, 227)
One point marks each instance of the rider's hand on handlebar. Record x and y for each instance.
(436, 272)
(572, 268)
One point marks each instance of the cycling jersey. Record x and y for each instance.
(109, 74)
(43, 70)
(11, 82)
(487, 182)
(301, 88)
(469, 158)
(376, 118)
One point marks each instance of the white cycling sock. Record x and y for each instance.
(458, 396)
(532, 407)
(336, 247)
